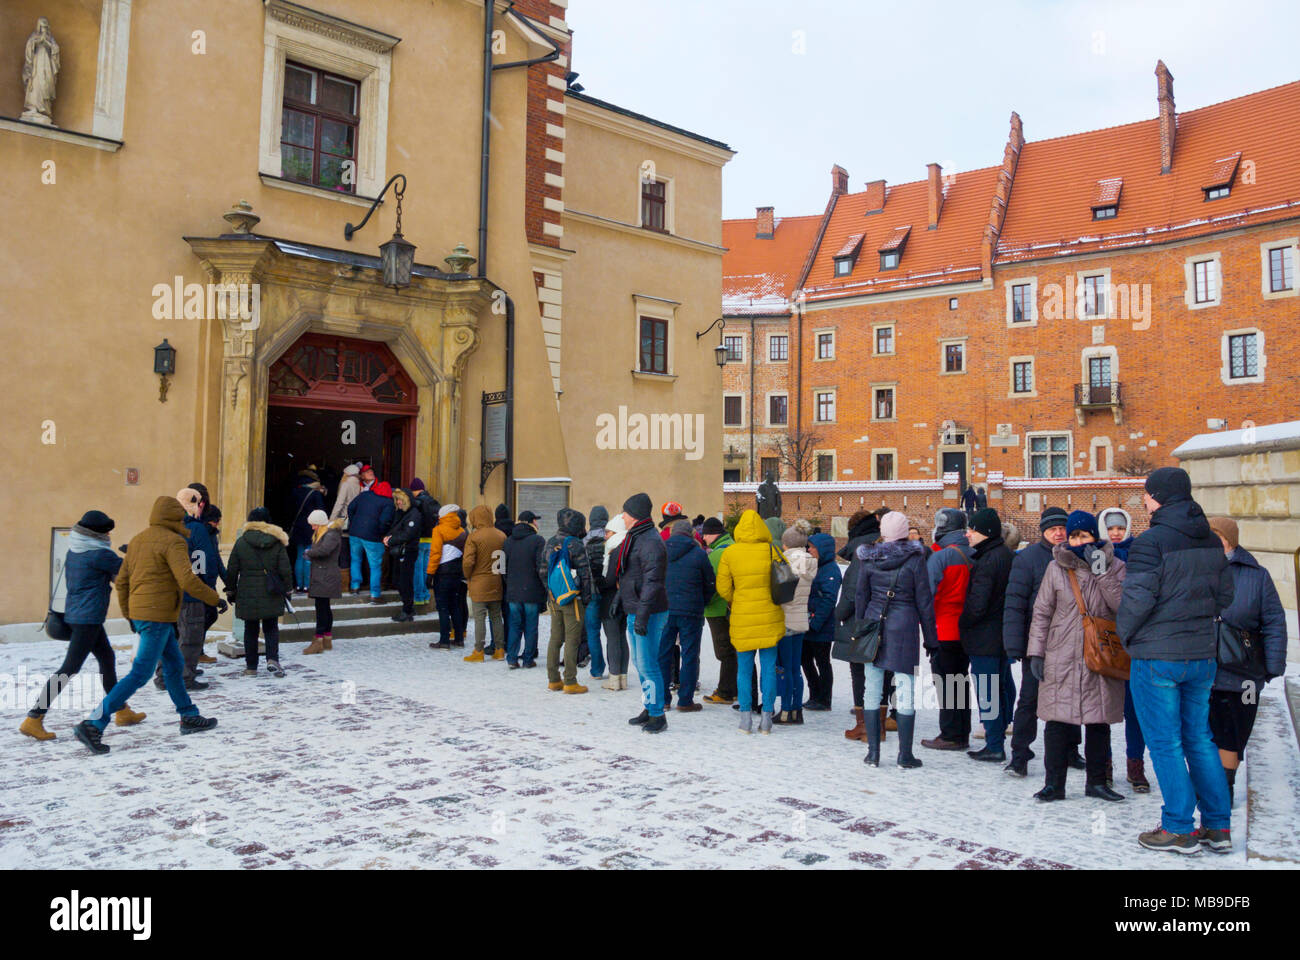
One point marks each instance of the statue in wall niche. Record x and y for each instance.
(40, 74)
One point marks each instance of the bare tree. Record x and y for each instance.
(796, 451)
(1133, 463)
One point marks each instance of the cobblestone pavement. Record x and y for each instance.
(384, 753)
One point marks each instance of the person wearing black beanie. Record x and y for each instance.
(1167, 485)
(981, 632)
(713, 527)
(640, 570)
(638, 507)
(1052, 517)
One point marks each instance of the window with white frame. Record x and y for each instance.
(883, 464)
(954, 356)
(826, 345)
(1022, 299)
(778, 348)
(735, 346)
(882, 402)
(1204, 278)
(824, 406)
(1048, 455)
(352, 66)
(1022, 376)
(1093, 291)
(825, 466)
(883, 343)
(778, 409)
(1278, 260)
(1243, 356)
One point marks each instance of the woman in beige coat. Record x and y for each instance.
(1069, 694)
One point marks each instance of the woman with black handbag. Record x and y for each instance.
(1252, 650)
(90, 569)
(893, 601)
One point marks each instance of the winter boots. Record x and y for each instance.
(127, 717)
(93, 737)
(574, 688)
(316, 646)
(655, 724)
(872, 722)
(611, 682)
(34, 727)
(204, 658)
(765, 722)
(499, 653)
(327, 641)
(475, 657)
(622, 681)
(906, 730)
(746, 721)
(194, 724)
(1137, 777)
(555, 686)
(859, 731)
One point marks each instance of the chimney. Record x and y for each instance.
(875, 196)
(839, 180)
(1168, 118)
(764, 226)
(934, 193)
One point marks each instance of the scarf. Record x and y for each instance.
(612, 545)
(83, 540)
(639, 529)
(1078, 550)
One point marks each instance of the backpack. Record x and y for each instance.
(560, 578)
(428, 515)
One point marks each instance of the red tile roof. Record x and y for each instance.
(1050, 210)
(897, 240)
(948, 254)
(1224, 172)
(851, 246)
(1108, 192)
(758, 276)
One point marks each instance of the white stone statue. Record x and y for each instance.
(40, 73)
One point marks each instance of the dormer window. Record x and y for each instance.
(891, 251)
(1223, 172)
(847, 258)
(1105, 199)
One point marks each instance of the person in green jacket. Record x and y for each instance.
(257, 558)
(716, 539)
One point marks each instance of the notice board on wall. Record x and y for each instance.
(545, 498)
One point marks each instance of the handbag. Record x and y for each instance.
(784, 581)
(1103, 652)
(55, 627)
(860, 641)
(1240, 651)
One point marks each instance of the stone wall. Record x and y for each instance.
(1253, 476)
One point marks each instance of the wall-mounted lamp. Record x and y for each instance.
(398, 255)
(720, 351)
(164, 364)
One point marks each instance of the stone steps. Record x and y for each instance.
(354, 618)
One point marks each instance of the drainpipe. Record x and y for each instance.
(510, 406)
(798, 397)
(752, 347)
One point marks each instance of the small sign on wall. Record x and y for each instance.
(132, 476)
(1033, 502)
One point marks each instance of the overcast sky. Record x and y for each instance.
(885, 88)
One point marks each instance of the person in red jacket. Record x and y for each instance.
(949, 569)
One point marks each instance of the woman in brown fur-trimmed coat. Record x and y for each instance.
(326, 541)
(1069, 694)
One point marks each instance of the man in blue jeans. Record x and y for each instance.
(1178, 581)
(149, 586)
(524, 592)
(639, 570)
(980, 628)
(690, 586)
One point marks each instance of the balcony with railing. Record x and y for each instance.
(1098, 396)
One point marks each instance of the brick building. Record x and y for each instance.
(1076, 311)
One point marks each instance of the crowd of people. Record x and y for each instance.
(624, 591)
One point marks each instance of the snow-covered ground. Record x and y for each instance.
(385, 753)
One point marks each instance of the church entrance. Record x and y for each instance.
(333, 401)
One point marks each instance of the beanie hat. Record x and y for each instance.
(211, 513)
(598, 517)
(203, 492)
(682, 528)
(259, 515)
(948, 520)
(671, 509)
(351, 470)
(1169, 484)
(893, 526)
(1081, 520)
(449, 508)
(638, 506)
(502, 512)
(97, 521)
(318, 518)
(712, 526)
(987, 522)
(796, 535)
(1225, 527)
(416, 485)
(1051, 517)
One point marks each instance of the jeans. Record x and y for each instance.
(301, 567)
(374, 553)
(87, 639)
(487, 612)
(904, 685)
(687, 627)
(995, 691)
(1172, 700)
(421, 565)
(1134, 743)
(766, 678)
(789, 671)
(816, 661)
(158, 640)
(591, 624)
(645, 654)
(522, 617)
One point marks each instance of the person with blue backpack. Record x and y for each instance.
(566, 570)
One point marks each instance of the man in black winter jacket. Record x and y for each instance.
(981, 633)
(1177, 582)
(566, 621)
(524, 590)
(1027, 569)
(640, 570)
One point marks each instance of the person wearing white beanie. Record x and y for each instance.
(325, 583)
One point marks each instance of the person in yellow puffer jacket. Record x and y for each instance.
(757, 624)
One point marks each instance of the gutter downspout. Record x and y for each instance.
(798, 377)
(752, 347)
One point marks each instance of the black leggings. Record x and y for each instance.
(324, 616)
(816, 659)
(87, 639)
(271, 627)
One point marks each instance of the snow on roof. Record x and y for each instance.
(1271, 436)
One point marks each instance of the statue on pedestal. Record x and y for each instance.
(40, 74)
(768, 498)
